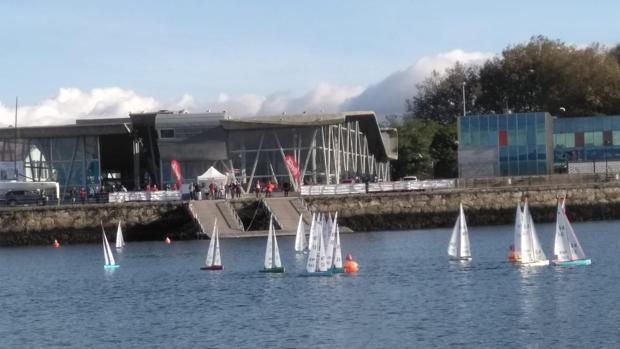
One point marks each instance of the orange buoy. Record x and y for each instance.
(350, 266)
(55, 244)
(168, 241)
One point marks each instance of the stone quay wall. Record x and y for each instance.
(82, 223)
(489, 206)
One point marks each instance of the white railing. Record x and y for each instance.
(119, 197)
(360, 188)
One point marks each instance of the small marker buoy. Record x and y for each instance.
(55, 244)
(168, 241)
(350, 266)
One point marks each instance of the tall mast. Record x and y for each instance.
(15, 145)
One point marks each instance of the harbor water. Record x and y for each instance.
(406, 295)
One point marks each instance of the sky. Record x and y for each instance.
(75, 59)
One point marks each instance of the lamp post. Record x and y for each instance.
(464, 110)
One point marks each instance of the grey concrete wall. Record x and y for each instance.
(482, 206)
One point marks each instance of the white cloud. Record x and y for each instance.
(389, 95)
(384, 97)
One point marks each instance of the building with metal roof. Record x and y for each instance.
(138, 150)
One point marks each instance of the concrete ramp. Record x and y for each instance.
(286, 212)
(206, 211)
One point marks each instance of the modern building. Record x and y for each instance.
(537, 144)
(505, 145)
(136, 151)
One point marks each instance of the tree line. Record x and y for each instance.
(538, 75)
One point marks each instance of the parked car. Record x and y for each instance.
(24, 197)
(410, 178)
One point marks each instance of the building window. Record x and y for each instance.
(166, 133)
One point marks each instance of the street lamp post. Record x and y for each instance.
(464, 110)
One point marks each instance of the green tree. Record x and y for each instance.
(443, 151)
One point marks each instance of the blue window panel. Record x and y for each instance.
(474, 124)
(522, 153)
(513, 169)
(513, 153)
(503, 122)
(493, 123)
(541, 152)
(503, 155)
(531, 135)
(504, 168)
(615, 123)
(542, 167)
(531, 154)
(484, 123)
(492, 138)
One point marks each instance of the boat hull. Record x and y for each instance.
(273, 270)
(111, 266)
(318, 273)
(575, 263)
(534, 264)
(335, 270)
(460, 259)
(213, 267)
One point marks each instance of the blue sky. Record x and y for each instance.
(203, 49)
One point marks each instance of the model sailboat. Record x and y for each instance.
(334, 253)
(107, 252)
(317, 263)
(458, 248)
(567, 250)
(120, 241)
(213, 261)
(272, 253)
(530, 252)
(300, 237)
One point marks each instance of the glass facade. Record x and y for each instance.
(71, 161)
(505, 145)
(585, 139)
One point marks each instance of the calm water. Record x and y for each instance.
(407, 294)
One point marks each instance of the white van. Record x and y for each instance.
(410, 178)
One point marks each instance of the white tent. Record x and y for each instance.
(212, 176)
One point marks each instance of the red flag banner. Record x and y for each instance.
(176, 172)
(291, 164)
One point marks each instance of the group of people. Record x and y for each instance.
(269, 187)
(213, 191)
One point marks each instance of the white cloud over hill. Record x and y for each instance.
(384, 97)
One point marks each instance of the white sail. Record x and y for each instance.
(464, 251)
(311, 233)
(526, 253)
(120, 242)
(329, 252)
(313, 249)
(109, 257)
(539, 254)
(322, 259)
(211, 250)
(217, 260)
(337, 251)
(105, 252)
(269, 249)
(276, 251)
(561, 249)
(452, 245)
(518, 224)
(300, 237)
(572, 245)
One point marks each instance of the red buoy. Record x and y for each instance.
(55, 244)
(350, 266)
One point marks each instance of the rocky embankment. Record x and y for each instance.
(82, 223)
